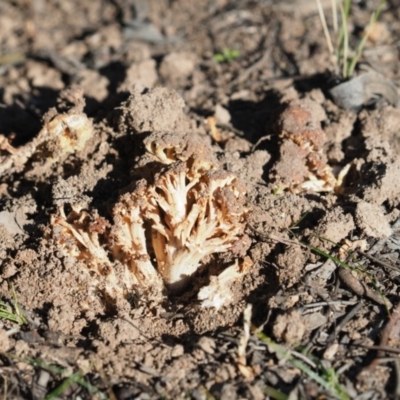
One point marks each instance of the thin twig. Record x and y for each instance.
(345, 320)
(254, 67)
(329, 303)
(285, 241)
(397, 369)
(386, 349)
(387, 330)
(378, 261)
(303, 357)
(230, 128)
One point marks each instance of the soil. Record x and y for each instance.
(100, 102)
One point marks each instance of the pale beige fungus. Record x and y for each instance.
(161, 232)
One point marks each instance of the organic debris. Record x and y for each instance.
(61, 135)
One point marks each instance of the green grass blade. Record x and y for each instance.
(335, 390)
(12, 313)
(21, 317)
(73, 378)
(63, 387)
(343, 40)
(7, 313)
(361, 44)
(344, 264)
(274, 393)
(347, 5)
(90, 388)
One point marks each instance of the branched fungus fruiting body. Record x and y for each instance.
(128, 240)
(64, 134)
(188, 217)
(80, 234)
(162, 231)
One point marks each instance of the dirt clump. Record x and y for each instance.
(289, 327)
(370, 218)
(159, 109)
(333, 227)
(302, 164)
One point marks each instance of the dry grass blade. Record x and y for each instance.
(242, 363)
(334, 15)
(325, 27)
(342, 62)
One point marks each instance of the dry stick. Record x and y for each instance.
(383, 345)
(397, 369)
(387, 330)
(386, 349)
(22, 154)
(384, 360)
(245, 370)
(361, 289)
(254, 67)
(311, 342)
(329, 303)
(378, 261)
(303, 358)
(345, 320)
(230, 128)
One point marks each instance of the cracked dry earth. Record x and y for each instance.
(151, 195)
